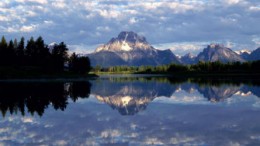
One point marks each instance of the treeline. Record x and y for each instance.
(201, 68)
(35, 55)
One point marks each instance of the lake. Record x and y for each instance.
(130, 110)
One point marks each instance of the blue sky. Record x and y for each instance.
(181, 25)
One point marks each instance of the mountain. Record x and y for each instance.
(130, 95)
(218, 93)
(216, 52)
(188, 59)
(128, 48)
(255, 55)
(244, 54)
(243, 51)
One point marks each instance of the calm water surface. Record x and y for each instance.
(137, 110)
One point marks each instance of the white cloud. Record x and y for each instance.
(31, 13)
(10, 29)
(109, 13)
(133, 20)
(183, 47)
(48, 22)
(256, 40)
(27, 120)
(254, 8)
(153, 141)
(60, 142)
(33, 1)
(110, 133)
(232, 2)
(158, 20)
(59, 4)
(180, 8)
(4, 18)
(103, 28)
(28, 28)
(151, 5)
(82, 49)
(179, 140)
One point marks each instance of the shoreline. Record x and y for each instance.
(46, 77)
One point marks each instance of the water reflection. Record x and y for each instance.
(35, 97)
(127, 95)
(164, 111)
(132, 95)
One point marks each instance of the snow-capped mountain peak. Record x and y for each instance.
(243, 51)
(128, 48)
(126, 41)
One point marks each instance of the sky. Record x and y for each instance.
(180, 25)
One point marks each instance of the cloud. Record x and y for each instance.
(60, 4)
(254, 8)
(33, 1)
(161, 22)
(29, 28)
(105, 28)
(4, 18)
(183, 48)
(232, 2)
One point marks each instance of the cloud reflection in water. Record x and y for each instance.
(164, 113)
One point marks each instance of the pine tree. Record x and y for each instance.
(15, 44)
(3, 43)
(20, 48)
(10, 53)
(3, 52)
(30, 47)
(59, 56)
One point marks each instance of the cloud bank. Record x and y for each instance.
(87, 23)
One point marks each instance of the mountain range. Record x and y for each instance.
(130, 49)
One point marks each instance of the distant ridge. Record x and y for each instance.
(255, 55)
(217, 52)
(131, 49)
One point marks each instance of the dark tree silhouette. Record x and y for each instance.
(78, 64)
(38, 59)
(3, 48)
(59, 56)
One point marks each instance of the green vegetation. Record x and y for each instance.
(36, 59)
(209, 68)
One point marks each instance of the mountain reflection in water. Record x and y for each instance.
(158, 111)
(132, 95)
(128, 95)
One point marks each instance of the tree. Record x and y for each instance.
(29, 50)
(41, 50)
(10, 54)
(15, 44)
(20, 52)
(79, 65)
(3, 43)
(6, 52)
(20, 48)
(59, 56)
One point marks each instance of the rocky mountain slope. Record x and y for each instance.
(130, 49)
(255, 55)
(216, 52)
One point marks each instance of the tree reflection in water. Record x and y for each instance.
(37, 96)
(128, 95)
